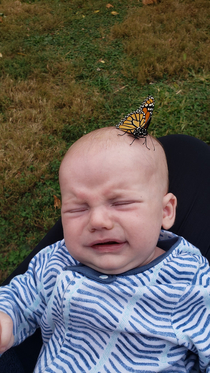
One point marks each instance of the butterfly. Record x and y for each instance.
(137, 122)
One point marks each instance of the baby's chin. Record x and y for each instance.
(110, 268)
(110, 263)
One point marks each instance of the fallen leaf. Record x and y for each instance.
(96, 11)
(1, 19)
(114, 13)
(109, 6)
(1, 55)
(101, 60)
(57, 202)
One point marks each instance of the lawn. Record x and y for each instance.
(68, 67)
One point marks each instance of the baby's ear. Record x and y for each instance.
(169, 210)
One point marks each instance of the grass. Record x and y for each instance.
(68, 67)
(170, 40)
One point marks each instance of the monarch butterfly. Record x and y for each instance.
(137, 122)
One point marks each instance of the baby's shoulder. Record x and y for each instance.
(186, 263)
(51, 260)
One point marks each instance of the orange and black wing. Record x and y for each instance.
(136, 123)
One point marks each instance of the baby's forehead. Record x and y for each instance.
(101, 150)
(117, 148)
(150, 150)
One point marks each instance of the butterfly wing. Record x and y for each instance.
(131, 122)
(136, 123)
(147, 108)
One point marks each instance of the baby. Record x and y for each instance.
(118, 294)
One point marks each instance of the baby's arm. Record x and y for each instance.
(6, 332)
(26, 297)
(191, 316)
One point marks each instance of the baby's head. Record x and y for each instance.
(115, 200)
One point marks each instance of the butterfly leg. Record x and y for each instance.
(133, 141)
(119, 134)
(145, 143)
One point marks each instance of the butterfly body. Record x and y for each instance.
(137, 122)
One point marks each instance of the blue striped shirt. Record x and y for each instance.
(153, 318)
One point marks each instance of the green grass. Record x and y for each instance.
(69, 67)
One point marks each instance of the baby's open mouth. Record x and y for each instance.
(107, 245)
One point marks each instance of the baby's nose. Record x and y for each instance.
(100, 219)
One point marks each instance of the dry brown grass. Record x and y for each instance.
(36, 111)
(169, 38)
(16, 12)
(23, 20)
